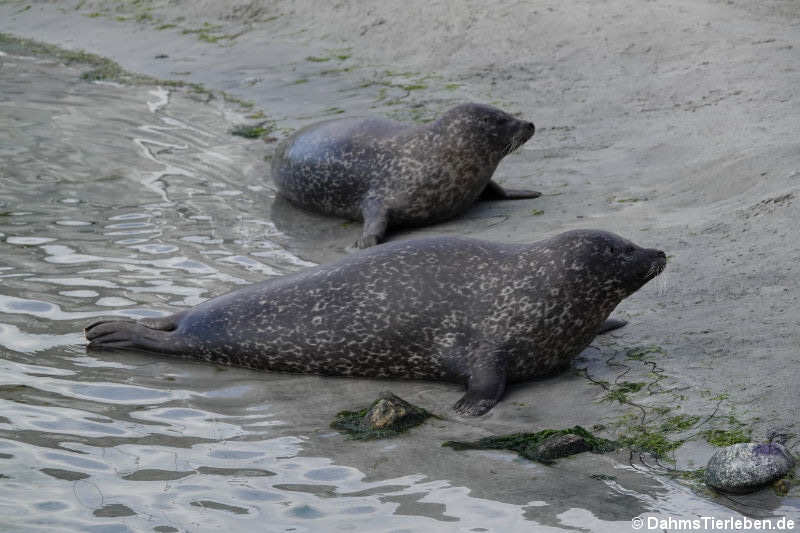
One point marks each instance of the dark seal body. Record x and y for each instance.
(387, 173)
(443, 308)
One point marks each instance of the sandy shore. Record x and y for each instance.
(673, 123)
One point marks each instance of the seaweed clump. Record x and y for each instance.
(721, 437)
(539, 446)
(387, 417)
(253, 131)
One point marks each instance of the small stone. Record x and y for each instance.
(558, 446)
(388, 411)
(387, 417)
(746, 467)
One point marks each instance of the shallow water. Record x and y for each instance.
(134, 201)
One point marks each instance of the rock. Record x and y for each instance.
(544, 446)
(746, 467)
(388, 416)
(389, 411)
(557, 446)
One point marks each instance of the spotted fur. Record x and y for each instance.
(387, 173)
(444, 308)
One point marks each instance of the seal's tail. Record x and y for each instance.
(152, 335)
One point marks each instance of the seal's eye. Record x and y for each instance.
(495, 120)
(629, 249)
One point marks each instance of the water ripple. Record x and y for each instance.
(133, 202)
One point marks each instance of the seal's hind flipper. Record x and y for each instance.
(494, 191)
(610, 325)
(151, 335)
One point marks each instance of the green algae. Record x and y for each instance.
(111, 71)
(782, 486)
(695, 479)
(619, 392)
(679, 423)
(631, 200)
(211, 33)
(253, 131)
(639, 352)
(104, 69)
(339, 70)
(698, 475)
(525, 444)
(650, 429)
(413, 86)
(722, 437)
(603, 477)
(736, 432)
(656, 444)
(238, 101)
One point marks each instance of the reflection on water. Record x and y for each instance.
(133, 201)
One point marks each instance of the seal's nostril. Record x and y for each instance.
(531, 127)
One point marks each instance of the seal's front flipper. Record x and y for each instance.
(152, 335)
(485, 385)
(494, 191)
(376, 219)
(610, 325)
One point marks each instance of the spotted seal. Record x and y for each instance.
(388, 173)
(444, 308)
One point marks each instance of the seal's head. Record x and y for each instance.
(612, 263)
(499, 132)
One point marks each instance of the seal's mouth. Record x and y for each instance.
(516, 142)
(657, 266)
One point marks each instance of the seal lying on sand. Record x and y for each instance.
(387, 173)
(443, 308)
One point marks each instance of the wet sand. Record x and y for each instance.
(672, 124)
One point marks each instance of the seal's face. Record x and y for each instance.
(615, 263)
(500, 132)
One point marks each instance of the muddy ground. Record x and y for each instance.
(672, 123)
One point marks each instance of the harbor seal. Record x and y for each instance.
(391, 174)
(444, 308)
